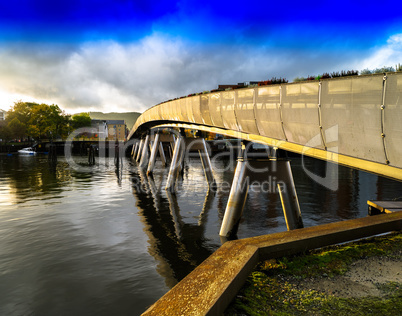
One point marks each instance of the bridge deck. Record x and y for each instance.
(354, 121)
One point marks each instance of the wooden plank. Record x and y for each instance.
(386, 206)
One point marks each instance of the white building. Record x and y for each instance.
(2, 115)
(102, 128)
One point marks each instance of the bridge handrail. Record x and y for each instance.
(357, 116)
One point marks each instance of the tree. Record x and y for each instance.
(22, 111)
(5, 133)
(38, 120)
(16, 129)
(81, 120)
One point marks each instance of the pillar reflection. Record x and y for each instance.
(176, 245)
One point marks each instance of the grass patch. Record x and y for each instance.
(268, 291)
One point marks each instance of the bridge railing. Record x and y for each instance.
(367, 111)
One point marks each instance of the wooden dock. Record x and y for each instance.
(377, 207)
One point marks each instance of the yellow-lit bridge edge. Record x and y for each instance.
(356, 163)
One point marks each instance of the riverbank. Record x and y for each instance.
(6, 148)
(358, 278)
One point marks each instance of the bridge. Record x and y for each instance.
(353, 121)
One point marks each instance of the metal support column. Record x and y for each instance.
(154, 151)
(175, 164)
(279, 176)
(290, 202)
(237, 199)
(133, 149)
(140, 150)
(171, 147)
(145, 153)
(207, 166)
(137, 147)
(162, 154)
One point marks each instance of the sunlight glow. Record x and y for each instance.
(8, 99)
(6, 196)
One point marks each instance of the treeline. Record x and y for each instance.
(347, 73)
(275, 80)
(35, 121)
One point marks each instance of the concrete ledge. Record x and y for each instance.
(213, 284)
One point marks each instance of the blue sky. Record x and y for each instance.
(129, 55)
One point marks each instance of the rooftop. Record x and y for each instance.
(115, 122)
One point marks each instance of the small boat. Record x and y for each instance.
(27, 151)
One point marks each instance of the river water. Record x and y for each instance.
(103, 240)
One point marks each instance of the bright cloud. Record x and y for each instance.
(389, 54)
(111, 76)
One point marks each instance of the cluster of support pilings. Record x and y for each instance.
(91, 155)
(146, 150)
(52, 152)
(248, 172)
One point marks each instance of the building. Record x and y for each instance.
(116, 129)
(236, 86)
(101, 127)
(2, 115)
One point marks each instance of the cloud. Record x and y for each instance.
(111, 76)
(389, 54)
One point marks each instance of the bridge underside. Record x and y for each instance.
(353, 121)
(356, 163)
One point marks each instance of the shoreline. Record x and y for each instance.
(346, 278)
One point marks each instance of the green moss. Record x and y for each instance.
(268, 292)
(334, 259)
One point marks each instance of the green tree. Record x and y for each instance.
(64, 128)
(38, 120)
(81, 120)
(33, 131)
(21, 110)
(16, 128)
(41, 123)
(4, 132)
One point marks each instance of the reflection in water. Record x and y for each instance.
(119, 171)
(113, 240)
(71, 242)
(182, 245)
(209, 198)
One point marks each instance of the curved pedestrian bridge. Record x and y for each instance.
(354, 121)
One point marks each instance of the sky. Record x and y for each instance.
(117, 56)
